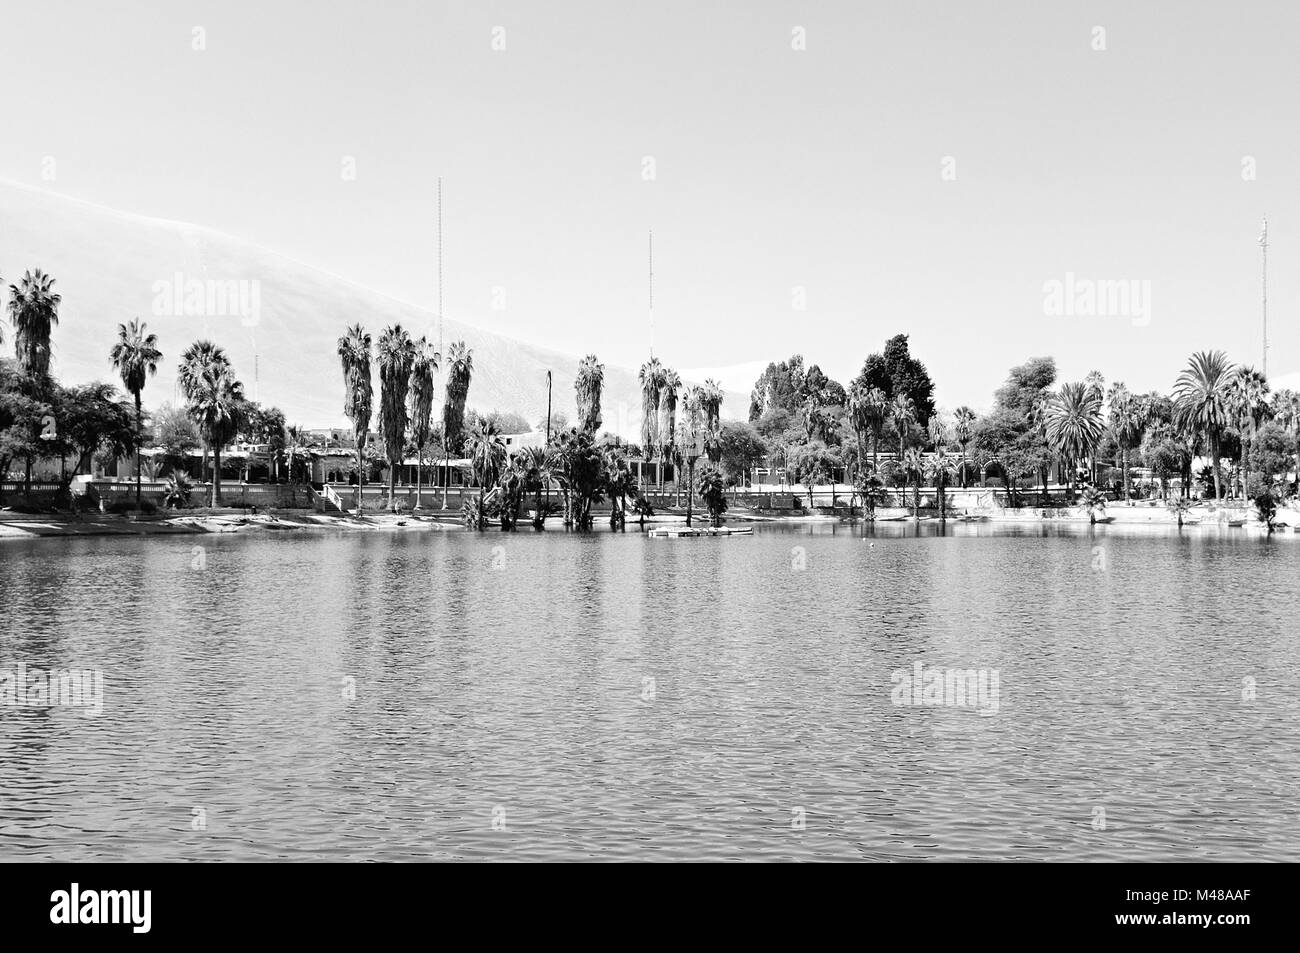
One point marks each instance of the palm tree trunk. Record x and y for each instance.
(216, 476)
(361, 473)
(1123, 456)
(1245, 469)
(392, 487)
(446, 470)
(419, 475)
(139, 431)
(1214, 450)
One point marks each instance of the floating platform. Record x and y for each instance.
(673, 532)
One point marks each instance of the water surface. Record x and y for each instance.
(448, 695)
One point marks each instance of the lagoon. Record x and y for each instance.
(322, 695)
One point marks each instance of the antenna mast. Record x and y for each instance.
(651, 263)
(1263, 245)
(440, 356)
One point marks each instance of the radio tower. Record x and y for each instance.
(440, 358)
(652, 292)
(1263, 246)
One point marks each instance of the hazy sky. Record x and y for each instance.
(775, 168)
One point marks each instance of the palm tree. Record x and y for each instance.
(710, 401)
(396, 354)
(940, 468)
(460, 368)
(33, 311)
(652, 380)
(903, 412)
(1072, 425)
(588, 385)
(538, 467)
(135, 357)
(487, 458)
(1094, 501)
(295, 450)
(217, 407)
(914, 464)
(1126, 423)
(423, 366)
(1249, 403)
(354, 353)
(196, 359)
(668, 393)
(963, 429)
(875, 410)
(1179, 506)
(1201, 403)
(858, 417)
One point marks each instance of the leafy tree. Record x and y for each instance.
(740, 447)
(94, 421)
(895, 372)
(780, 387)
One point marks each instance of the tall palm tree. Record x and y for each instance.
(903, 413)
(423, 367)
(1248, 401)
(963, 430)
(195, 361)
(668, 393)
(710, 401)
(487, 457)
(1072, 425)
(1127, 422)
(858, 415)
(875, 409)
(396, 355)
(33, 311)
(1201, 403)
(652, 379)
(460, 368)
(914, 464)
(135, 357)
(588, 385)
(217, 407)
(359, 393)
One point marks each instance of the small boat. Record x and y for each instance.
(676, 532)
(1104, 519)
(1235, 521)
(969, 518)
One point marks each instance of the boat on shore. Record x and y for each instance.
(675, 532)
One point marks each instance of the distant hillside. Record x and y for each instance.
(188, 282)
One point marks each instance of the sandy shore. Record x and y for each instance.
(19, 526)
(16, 526)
